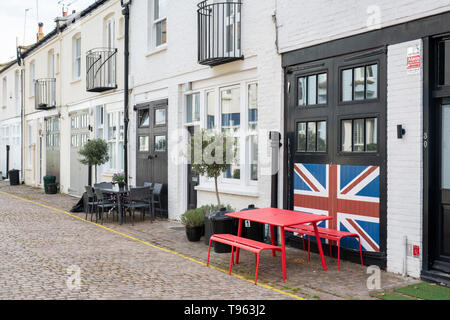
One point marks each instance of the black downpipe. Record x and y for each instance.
(7, 161)
(126, 14)
(275, 143)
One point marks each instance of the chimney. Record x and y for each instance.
(40, 33)
(64, 9)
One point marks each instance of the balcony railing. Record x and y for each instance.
(101, 69)
(44, 93)
(219, 32)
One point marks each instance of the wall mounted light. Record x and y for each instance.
(400, 131)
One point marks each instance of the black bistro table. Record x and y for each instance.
(120, 193)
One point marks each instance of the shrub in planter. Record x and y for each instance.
(194, 222)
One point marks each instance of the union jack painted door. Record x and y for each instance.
(350, 194)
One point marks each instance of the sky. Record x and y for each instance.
(13, 22)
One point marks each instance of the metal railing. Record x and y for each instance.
(219, 32)
(101, 69)
(44, 93)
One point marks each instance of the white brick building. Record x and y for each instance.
(407, 42)
(340, 80)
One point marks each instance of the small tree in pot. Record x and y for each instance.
(94, 153)
(211, 153)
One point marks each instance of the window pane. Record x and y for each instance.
(301, 136)
(371, 135)
(358, 135)
(160, 143)
(143, 144)
(372, 81)
(322, 89)
(160, 9)
(193, 108)
(446, 147)
(346, 137)
(234, 169)
(253, 106)
(231, 116)
(253, 157)
(311, 136)
(359, 83)
(112, 126)
(312, 90)
(444, 62)
(210, 110)
(302, 91)
(160, 116)
(161, 33)
(322, 136)
(144, 118)
(347, 85)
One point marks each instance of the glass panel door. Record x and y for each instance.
(445, 182)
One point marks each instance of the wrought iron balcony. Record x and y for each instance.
(44, 93)
(219, 32)
(101, 69)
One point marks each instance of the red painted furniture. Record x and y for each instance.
(333, 235)
(280, 218)
(243, 243)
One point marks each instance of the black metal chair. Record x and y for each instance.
(139, 199)
(103, 202)
(156, 196)
(91, 201)
(106, 185)
(148, 184)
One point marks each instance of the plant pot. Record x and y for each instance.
(121, 185)
(194, 233)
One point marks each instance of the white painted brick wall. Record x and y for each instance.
(168, 70)
(404, 159)
(305, 23)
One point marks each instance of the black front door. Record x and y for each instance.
(151, 155)
(442, 210)
(192, 177)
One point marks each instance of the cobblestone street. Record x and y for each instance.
(42, 244)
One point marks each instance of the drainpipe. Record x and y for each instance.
(126, 14)
(405, 257)
(22, 108)
(275, 144)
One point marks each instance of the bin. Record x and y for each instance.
(222, 224)
(48, 180)
(52, 188)
(14, 177)
(253, 230)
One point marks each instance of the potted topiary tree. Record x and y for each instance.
(94, 153)
(194, 221)
(212, 153)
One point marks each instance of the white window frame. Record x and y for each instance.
(243, 133)
(152, 27)
(116, 142)
(17, 89)
(32, 78)
(5, 92)
(76, 57)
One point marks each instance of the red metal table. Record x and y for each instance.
(280, 218)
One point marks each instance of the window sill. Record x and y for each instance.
(75, 81)
(156, 50)
(249, 191)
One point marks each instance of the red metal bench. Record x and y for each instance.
(243, 243)
(333, 235)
